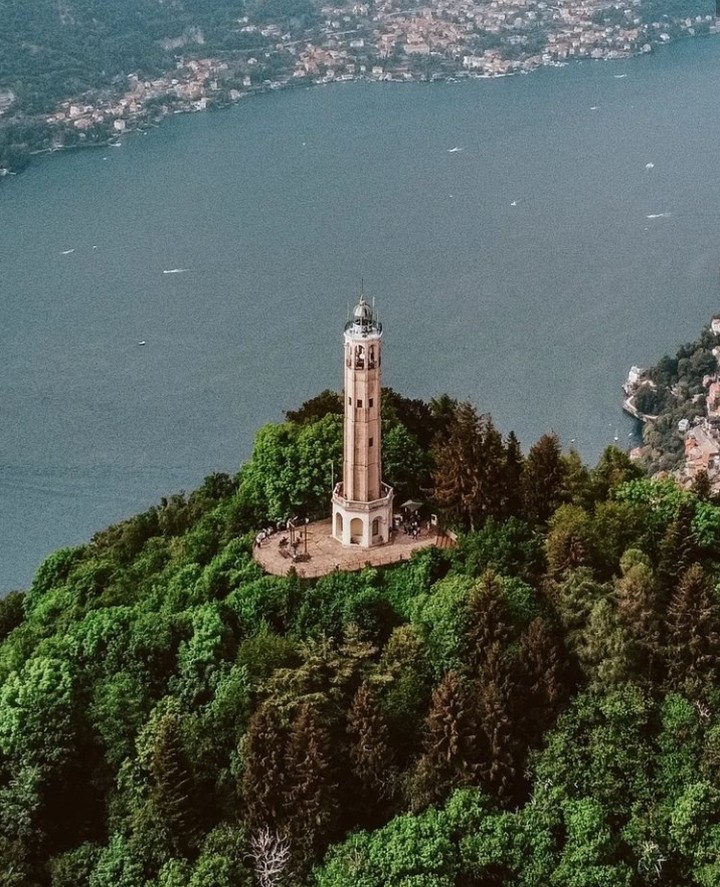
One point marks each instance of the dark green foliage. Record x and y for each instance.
(511, 548)
(323, 404)
(498, 714)
(371, 753)
(488, 622)
(651, 401)
(311, 793)
(545, 679)
(73, 868)
(11, 613)
(265, 778)
(693, 645)
(640, 607)
(544, 697)
(449, 756)
(422, 422)
(543, 479)
(472, 468)
(173, 785)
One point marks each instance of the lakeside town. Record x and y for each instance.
(382, 41)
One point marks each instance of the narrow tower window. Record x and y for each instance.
(359, 404)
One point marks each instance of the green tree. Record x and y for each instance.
(496, 697)
(677, 548)
(545, 679)
(411, 851)
(543, 479)
(326, 403)
(693, 644)
(578, 487)
(312, 791)
(641, 612)
(371, 752)
(614, 468)
(512, 477)
(74, 867)
(488, 621)
(117, 866)
(173, 784)
(38, 714)
(11, 613)
(265, 776)
(469, 468)
(450, 745)
(574, 598)
(571, 541)
(405, 464)
(121, 704)
(604, 647)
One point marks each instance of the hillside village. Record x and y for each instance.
(385, 41)
(683, 436)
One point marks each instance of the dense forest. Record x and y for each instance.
(538, 706)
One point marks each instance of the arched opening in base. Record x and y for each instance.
(356, 531)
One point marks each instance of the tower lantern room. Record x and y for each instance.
(362, 503)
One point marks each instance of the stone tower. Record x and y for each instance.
(362, 503)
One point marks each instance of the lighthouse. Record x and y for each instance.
(362, 503)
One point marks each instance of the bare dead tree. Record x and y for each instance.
(270, 855)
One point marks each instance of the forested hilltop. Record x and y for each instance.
(538, 707)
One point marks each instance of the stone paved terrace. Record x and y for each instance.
(326, 555)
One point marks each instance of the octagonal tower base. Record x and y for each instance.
(364, 524)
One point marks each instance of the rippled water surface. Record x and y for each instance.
(525, 271)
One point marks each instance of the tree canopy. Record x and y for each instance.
(537, 706)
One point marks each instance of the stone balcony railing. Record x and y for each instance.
(356, 505)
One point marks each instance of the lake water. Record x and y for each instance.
(521, 272)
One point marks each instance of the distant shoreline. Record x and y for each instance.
(108, 134)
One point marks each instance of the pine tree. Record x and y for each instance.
(512, 481)
(173, 789)
(371, 754)
(264, 780)
(577, 483)
(545, 679)
(312, 796)
(469, 468)
(450, 745)
(574, 598)
(641, 614)
(488, 621)
(693, 648)
(677, 549)
(701, 486)
(543, 479)
(443, 409)
(500, 747)
(613, 468)
(603, 647)
(570, 541)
